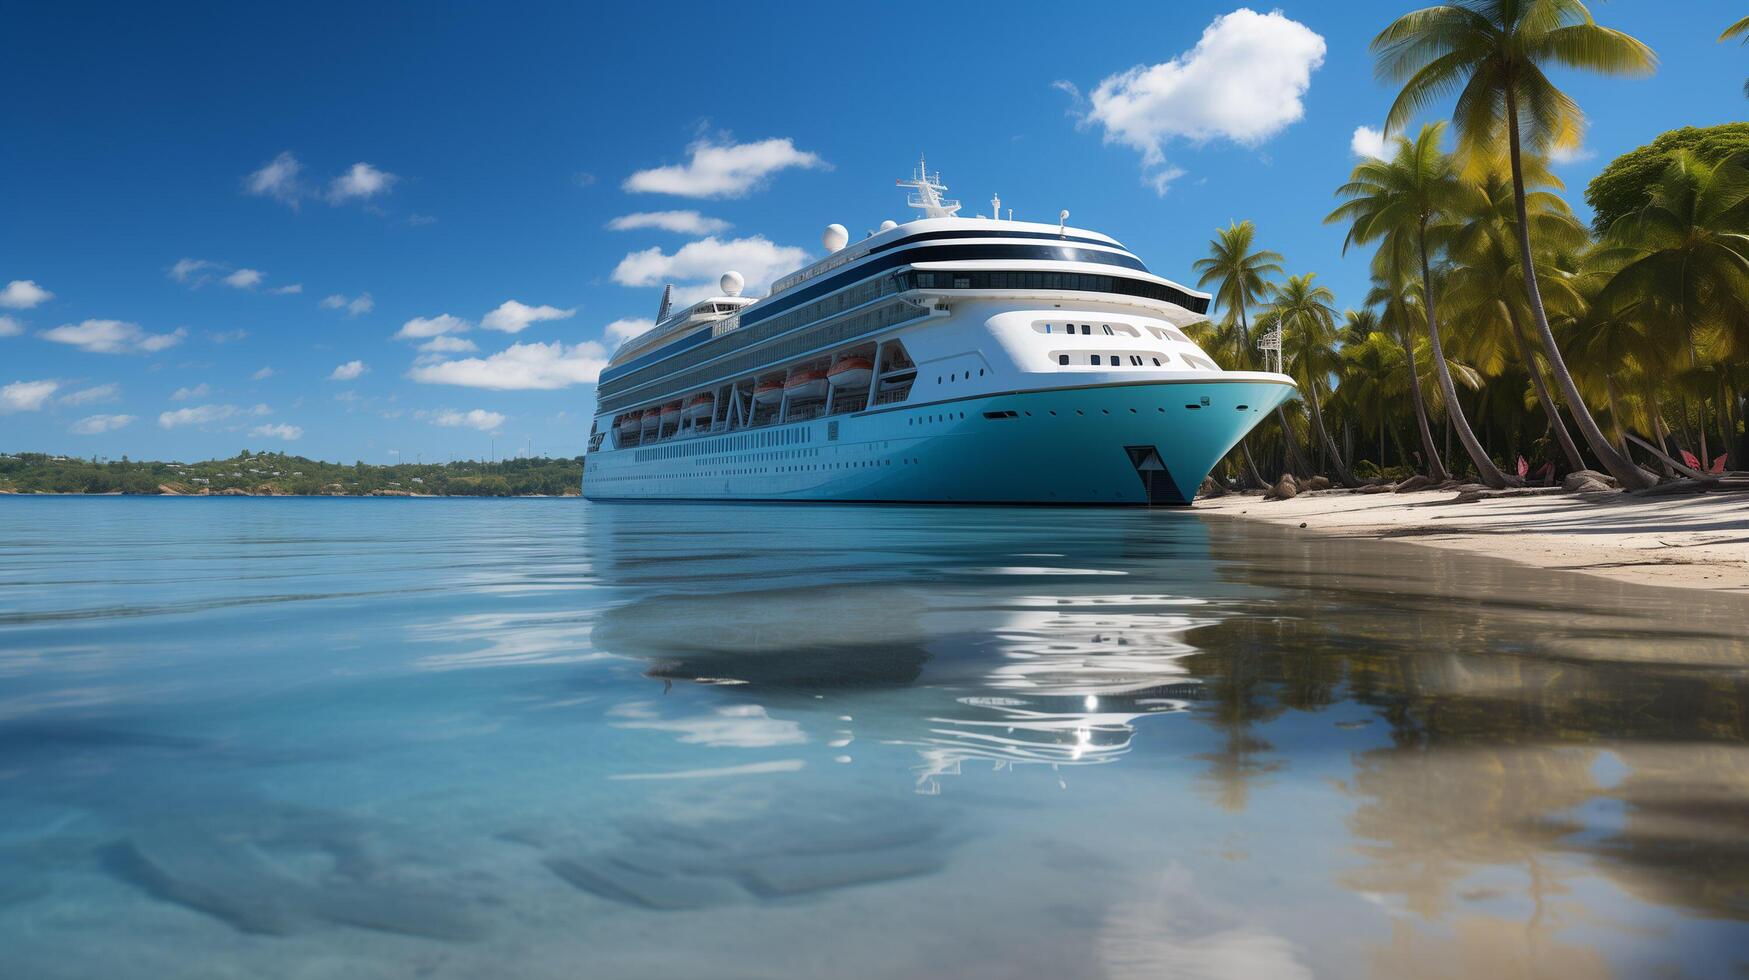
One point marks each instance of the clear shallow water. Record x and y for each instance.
(451, 738)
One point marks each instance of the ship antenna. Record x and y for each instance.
(927, 192)
(667, 303)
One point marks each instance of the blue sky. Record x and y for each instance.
(445, 176)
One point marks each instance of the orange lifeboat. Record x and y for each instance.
(852, 372)
(805, 383)
(699, 407)
(649, 418)
(768, 392)
(671, 413)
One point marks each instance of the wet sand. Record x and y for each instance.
(1695, 542)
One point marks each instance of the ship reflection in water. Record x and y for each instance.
(546, 739)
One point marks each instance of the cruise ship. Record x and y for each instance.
(942, 360)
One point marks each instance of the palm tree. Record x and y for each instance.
(1400, 203)
(1485, 285)
(1374, 371)
(1684, 267)
(1306, 316)
(1739, 29)
(1394, 289)
(1687, 255)
(1241, 277)
(1494, 52)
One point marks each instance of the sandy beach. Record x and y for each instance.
(1694, 542)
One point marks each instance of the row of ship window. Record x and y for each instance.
(1116, 360)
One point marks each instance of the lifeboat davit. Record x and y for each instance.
(700, 407)
(805, 383)
(671, 413)
(768, 393)
(852, 372)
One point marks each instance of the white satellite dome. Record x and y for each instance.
(889, 225)
(732, 282)
(834, 237)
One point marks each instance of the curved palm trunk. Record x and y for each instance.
(1565, 438)
(1615, 414)
(1256, 474)
(1629, 475)
(1454, 412)
(1292, 458)
(1342, 473)
(1431, 460)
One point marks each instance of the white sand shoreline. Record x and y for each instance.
(1694, 542)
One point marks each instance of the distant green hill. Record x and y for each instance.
(278, 473)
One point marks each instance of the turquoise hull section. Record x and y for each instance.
(1120, 443)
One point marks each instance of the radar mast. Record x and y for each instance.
(927, 191)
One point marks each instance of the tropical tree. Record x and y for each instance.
(1485, 288)
(1684, 269)
(1306, 316)
(1620, 188)
(1395, 289)
(1688, 251)
(1374, 373)
(1241, 275)
(1494, 53)
(1401, 202)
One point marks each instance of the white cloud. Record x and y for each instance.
(360, 182)
(277, 430)
(521, 366)
(27, 396)
(1570, 154)
(194, 271)
(291, 290)
(756, 258)
(360, 304)
(260, 409)
(226, 336)
(1368, 142)
(92, 425)
(10, 327)
(1244, 81)
(448, 345)
(22, 294)
(113, 337)
(514, 317)
(627, 328)
(197, 415)
(98, 393)
(348, 371)
(278, 180)
(244, 279)
(477, 418)
(262, 375)
(437, 348)
(186, 394)
(722, 169)
(420, 327)
(684, 222)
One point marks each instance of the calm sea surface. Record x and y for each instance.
(546, 738)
